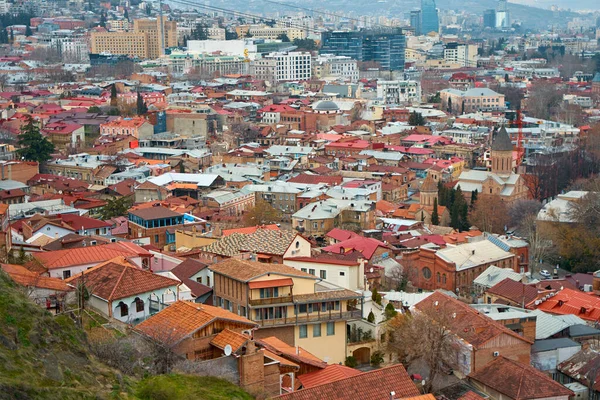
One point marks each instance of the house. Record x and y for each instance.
(381, 384)
(479, 339)
(196, 276)
(346, 272)
(188, 328)
(50, 293)
(64, 135)
(372, 250)
(568, 301)
(58, 226)
(504, 378)
(265, 245)
(69, 262)
(337, 235)
(316, 219)
(513, 293)
(580, 370)
(547, 354)
(305, 360)
(120, 289)
(138, 127)
(494, 275)
(296, 306)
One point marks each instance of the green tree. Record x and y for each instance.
(390, 311)
(305, 44)
(141, 108)
(28, 31)
(376, 297)
(94, 110)
(148, 9)
(473, 198)
(200, 32)
(459, 211)
(450, 105)
(113, 95)
(377, 358)
(12, 36)
(126, 14)
(103, 20)
(34, 146)
(283, 37)
(371, 317)
(116, 207)
(435, 217)
(416, 119)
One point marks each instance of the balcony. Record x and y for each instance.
(270, 300)
(314, 317)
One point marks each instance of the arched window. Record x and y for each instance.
(438, 277)
(444, 279)
(124, 309)
(426, 273)
(139, 305)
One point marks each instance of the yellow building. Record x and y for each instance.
(297, 307)
(143, 42)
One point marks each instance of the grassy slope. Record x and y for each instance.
(46, 357)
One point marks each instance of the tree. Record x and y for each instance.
(28, 31)
(113, 95)
(376, 297)
(263, 213)
(12, 36)
(543, 99)
(416, 119)
(450, 105)
(423, 336)
(148, 9)
(94, 110)
(141, 108)
(390, 311)
(371, 317)
(34, 146)
(473, 198)
(435, 217)
(126, 14)
(490, 214)
(283, 37)
(377, 358)
(200, 32)
(103, 20)
(305, 44)
(116, 207)
(459, 211)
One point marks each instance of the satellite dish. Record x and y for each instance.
(371, 270)
(228, 349)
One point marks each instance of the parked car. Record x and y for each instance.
(545, 274)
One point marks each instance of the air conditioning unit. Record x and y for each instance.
(587, 288)
(496, 353)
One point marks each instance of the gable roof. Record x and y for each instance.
(27, 278)
(515, 291)
(331, 373)
(243, 270)
(467, 323)
(229, 337)
(188, 268)
(367, 246)
(266, 241)
(283, 349)
(568, 301)
(372, 385)
(518, 381)
(88, 255)
(183, 318)
(502, 141)
(249, 229)
(341, 234)
(117, 279)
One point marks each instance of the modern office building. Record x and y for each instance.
(415, 21)
(489, 18)
(385, 46)
(429, 17)
(502, 15)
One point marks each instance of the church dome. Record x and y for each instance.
(326, 105)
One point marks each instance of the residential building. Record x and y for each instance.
(461, 53)
(385, 46)
(65, 136)
(340, 271)
(190, 328)
(504, 378)
(295, 306)
(429, 17)
(121, 290)
(329, 65)
(143, 42)
(197, 277)
(138, 127)
(399, 92)
(156, 224)
(316, 219)
(206, 64)
(572, 302)
(479, 339)
(279, 67)
(272, 33)
(233, 203)
(547, 354)
(472, 100)
(489, 18)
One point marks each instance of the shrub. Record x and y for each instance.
(351, 362)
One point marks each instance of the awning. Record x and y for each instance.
(271, 283)
(263, 257)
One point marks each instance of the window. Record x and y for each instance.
(303, 331)
(66, 274)
(311, 271)
(199, 279)
(303, 269)
(317, 330)
(302, 308)
(269, 292)
(155, 238)
(342, 273)
(208, 281)
(330, 328)
(426, 273)
(439, 279)
(323, 274)
(124, 309)
(297, 243)
(139, 305)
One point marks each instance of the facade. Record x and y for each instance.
(143, 42)
(398, 92)
(429, 17)
(383, 46)
(278, 67)
(316, 219)
(138, 127)
(472, 100)
(156, 223)
(461, 53)
(328, 65)
(287, 303)
(415, 21)
(206, 64)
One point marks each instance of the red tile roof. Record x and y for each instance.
(296, 354)
(25, 277)
(514, 291)
(117, 279)
(467, 323)
(183, 318)
(331, 373)
(229, 337)
(568, 301)
(367, 246)
(470, 395)
(341, 234)
(78, 222)
(88, 255)
(518, 381)
(372, 385)
(317, 179)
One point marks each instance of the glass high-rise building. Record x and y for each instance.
(415, 21)
(385, 46)
(429, 17)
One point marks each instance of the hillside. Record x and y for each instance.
(46, 357)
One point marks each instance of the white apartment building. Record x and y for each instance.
(336, 66)
(73, 48)
(278, 67)
(463, 54)
(398, 92)
(266, 32)
(120, 25)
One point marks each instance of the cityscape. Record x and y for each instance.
(300, 201)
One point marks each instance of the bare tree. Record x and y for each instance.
(490, 214)
(522, 209)
(543, 99)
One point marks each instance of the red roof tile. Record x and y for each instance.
(331, 373)
(568, 301)
(372, 385)
(367, 246)
(514, 291)
(88, 255)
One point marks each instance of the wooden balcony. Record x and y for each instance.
(270, 301)
(310, 318)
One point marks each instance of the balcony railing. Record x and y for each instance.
(315, 317)
(270, 300)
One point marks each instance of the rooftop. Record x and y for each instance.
(243, 270)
